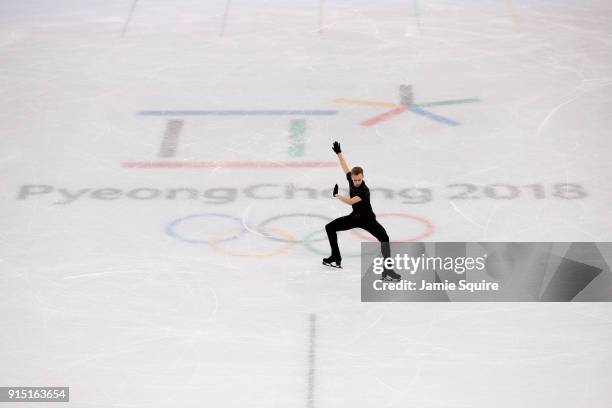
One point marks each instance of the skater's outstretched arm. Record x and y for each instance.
(338, 151)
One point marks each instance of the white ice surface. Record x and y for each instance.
(95, 295)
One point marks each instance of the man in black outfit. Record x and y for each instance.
(361, 217)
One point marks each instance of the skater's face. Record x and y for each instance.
(357, 179)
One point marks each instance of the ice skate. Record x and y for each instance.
(333, 261)
(390, 276)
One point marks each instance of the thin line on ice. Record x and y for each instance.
(465, 216)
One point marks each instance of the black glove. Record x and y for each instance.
(336, 148)
(335, 190)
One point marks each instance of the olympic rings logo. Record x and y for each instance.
(198, 229)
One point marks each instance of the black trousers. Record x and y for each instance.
(355, 221)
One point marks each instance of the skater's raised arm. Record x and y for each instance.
(338, 151)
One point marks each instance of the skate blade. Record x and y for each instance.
(332, 266)
(390, 280)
